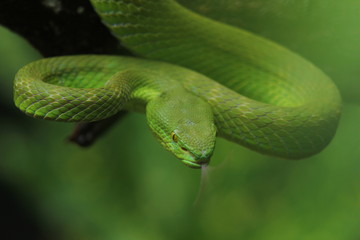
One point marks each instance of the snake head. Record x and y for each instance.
(184, 125)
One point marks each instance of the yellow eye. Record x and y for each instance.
(174, 137)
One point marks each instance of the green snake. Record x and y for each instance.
(195, 79)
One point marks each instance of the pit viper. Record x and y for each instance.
(195, 79)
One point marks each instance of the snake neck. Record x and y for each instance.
(139, 88)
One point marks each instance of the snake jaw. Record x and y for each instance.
(195, 159)
(194, 164)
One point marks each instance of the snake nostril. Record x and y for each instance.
(184, 149)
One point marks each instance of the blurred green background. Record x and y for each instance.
(128, 187)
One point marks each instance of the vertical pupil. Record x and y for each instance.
(174, 137)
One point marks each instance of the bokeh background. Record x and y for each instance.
(127, 186)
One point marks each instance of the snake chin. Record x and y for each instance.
(194, 164)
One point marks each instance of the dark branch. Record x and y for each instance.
(85, 134)
(59, 27)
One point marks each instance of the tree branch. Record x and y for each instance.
(59, 27)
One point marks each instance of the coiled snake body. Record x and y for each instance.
(197, 79)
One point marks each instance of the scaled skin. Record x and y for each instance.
(257, 93)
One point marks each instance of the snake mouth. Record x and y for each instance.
(194, 164)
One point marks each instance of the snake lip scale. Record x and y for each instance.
(195, 79)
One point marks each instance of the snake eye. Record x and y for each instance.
(174, 137)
